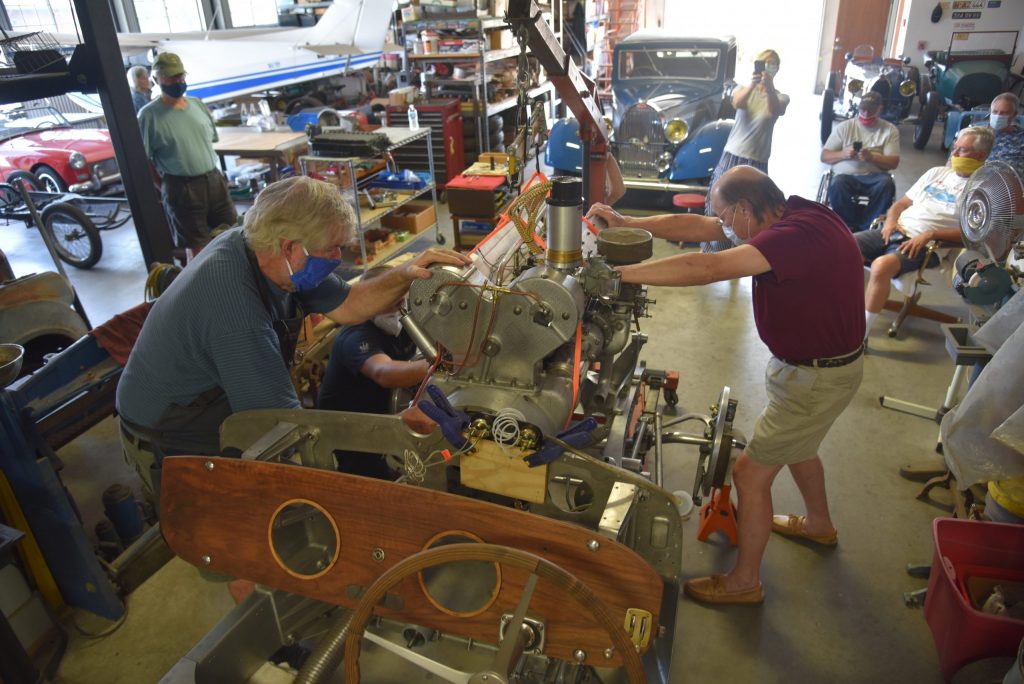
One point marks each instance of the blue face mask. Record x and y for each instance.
(174, 90)
(999, 121)
(313, 272)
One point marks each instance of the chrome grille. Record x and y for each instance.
(640, 141)
(105, 168)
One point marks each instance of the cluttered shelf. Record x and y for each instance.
(509, 102)
(387, 215)
(456, 24)
(489, 56)
(370, 215)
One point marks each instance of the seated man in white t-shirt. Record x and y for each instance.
(927, 212)
(862, 152)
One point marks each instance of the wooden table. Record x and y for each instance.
(250, 143)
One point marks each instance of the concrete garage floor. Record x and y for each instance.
(830, 615)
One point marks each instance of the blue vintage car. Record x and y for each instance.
(671, 112)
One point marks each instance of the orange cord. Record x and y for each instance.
(576, 355)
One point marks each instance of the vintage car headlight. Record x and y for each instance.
(77, 161)
(855, 85)
(908, 88)
(676, 131)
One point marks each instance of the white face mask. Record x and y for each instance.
(731, 233)
(771, 69)
(389, 323)
(999, 121)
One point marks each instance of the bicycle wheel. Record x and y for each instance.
(74, 235)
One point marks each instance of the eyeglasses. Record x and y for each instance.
(735, 208)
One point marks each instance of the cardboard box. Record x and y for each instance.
(500, 158)
(414, 217)
(502, 39)
(402, 96)
(411, 13)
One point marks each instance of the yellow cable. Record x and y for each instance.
(160, 276)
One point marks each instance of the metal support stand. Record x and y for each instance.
(929, 412)
(719, 515)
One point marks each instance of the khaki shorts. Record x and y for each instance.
(803, 402)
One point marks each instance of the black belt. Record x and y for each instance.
(187, 179)
(832, 362)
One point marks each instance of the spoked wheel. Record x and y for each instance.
(518, 632)
(51, 180)
(74, 235)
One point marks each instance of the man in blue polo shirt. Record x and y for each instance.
(178, 133)
(221, 338)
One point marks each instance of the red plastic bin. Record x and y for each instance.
(962, 633)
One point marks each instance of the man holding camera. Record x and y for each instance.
(862, 151)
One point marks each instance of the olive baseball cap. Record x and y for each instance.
(168, 64)
(870, 101)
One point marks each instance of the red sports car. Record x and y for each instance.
(43, 141)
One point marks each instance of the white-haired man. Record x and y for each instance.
(221, 338)
(1009, 144)
(140, 86)
(927, 212)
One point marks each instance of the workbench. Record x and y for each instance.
(254, 144)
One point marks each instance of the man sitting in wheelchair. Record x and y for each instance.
(862, 152)
(928, 212)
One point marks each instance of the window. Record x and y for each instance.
(56, 16)
(159, 16)
(669, 63)
(252, 12)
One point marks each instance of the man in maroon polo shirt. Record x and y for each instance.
(808, 294)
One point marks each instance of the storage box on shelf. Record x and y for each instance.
(375, 198)
(478, 196)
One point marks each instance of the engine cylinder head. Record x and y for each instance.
(565, 222)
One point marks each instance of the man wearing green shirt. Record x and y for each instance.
(178, 133)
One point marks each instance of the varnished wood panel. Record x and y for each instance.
(224, 513)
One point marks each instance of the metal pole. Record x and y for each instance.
(101, 68)
(52, 249)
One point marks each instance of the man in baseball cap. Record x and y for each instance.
(862, 151)
(178, 133)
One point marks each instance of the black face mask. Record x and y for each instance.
(174, 90)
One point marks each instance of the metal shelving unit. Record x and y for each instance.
(465, 25)
(365, 218)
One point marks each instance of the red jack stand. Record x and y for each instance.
(718, 515)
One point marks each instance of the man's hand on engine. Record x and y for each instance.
(417, 268)
(611, 218)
